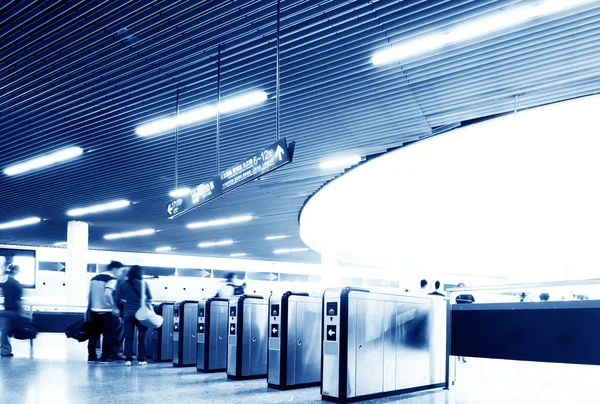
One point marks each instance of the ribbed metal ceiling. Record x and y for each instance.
(86, 73)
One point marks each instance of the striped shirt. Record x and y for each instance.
(102, 285)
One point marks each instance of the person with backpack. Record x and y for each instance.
(13, 292)
(103, 314)
(231, 287)
(130, 291)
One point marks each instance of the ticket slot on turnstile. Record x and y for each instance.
(162, 344)
(247, 341)
(295, 341)
(185, 317)
(212, 335)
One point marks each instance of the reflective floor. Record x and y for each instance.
(56, 371)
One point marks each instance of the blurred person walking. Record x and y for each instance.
(231, 287)
(130, 292)
(13, 293)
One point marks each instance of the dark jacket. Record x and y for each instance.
(12, 291)
(130, 292)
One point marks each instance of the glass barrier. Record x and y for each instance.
(573, 290)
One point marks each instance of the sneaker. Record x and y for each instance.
(142, 363)
(127, 363)
(90, 360)
(8, 355)
(107, 360)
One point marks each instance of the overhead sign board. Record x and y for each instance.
(268, 159)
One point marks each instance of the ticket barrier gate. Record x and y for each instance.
(212, 335)
(247, 341)
(185, 323)
(295, 340)
(162, 337)
(377, 344)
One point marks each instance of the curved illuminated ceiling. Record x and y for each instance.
(515, 196)
(86, 74)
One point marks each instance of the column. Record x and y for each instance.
(77, 283)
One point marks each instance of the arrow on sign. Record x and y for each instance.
(274, 330)
(232, 328)
(170, 209)
(331, 333)
(272, 277)
(204, 273)
(279, 153)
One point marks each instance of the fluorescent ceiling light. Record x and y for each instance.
(202, 113)
(238, 255)
(220, 222)
(180, 192)
(215, 243)
(242, 101)
(19, 223)
(60, 244)
(289, 250)
(144, 232)
(276, 237)
(99, 208)
(340, 162)
(163, 249)
(472, 29)
(43, 161)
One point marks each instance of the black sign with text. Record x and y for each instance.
(271, 158)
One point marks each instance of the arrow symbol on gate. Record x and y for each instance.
(279, 153)
(272, 277)
(204, 273)
(232, 328)
(331, 333)
(274, 330)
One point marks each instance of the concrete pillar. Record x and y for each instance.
(77, 283)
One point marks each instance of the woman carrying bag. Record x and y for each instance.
(136, 294)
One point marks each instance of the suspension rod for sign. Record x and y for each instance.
(277, 95)
(218, 103)
(177, 140)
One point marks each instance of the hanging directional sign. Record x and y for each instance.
(271, 158)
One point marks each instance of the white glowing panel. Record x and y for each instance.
(516, 195)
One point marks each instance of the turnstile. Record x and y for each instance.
(212, 335)
(162, 337)
(378, 344)
(247, 341)
(295, 340)
(185, 323)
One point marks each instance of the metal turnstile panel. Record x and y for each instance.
(190, 334)
(304, 340)
(255, 341)
(385, 343)
(217, 358)
(202, 336)
(185, 326)
(274, 352)
(162, 349)
(367, 343)
(232, 338)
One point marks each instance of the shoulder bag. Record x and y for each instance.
(145, 314)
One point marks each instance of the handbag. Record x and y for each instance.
(80, 330)
(145, 315)
(23, 328)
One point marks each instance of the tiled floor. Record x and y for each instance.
(56, 371)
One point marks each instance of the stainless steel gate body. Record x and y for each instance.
(377, 344)
(185, 320)
(247, 341)
(162, 344)
(295, 340)
(213, 315)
